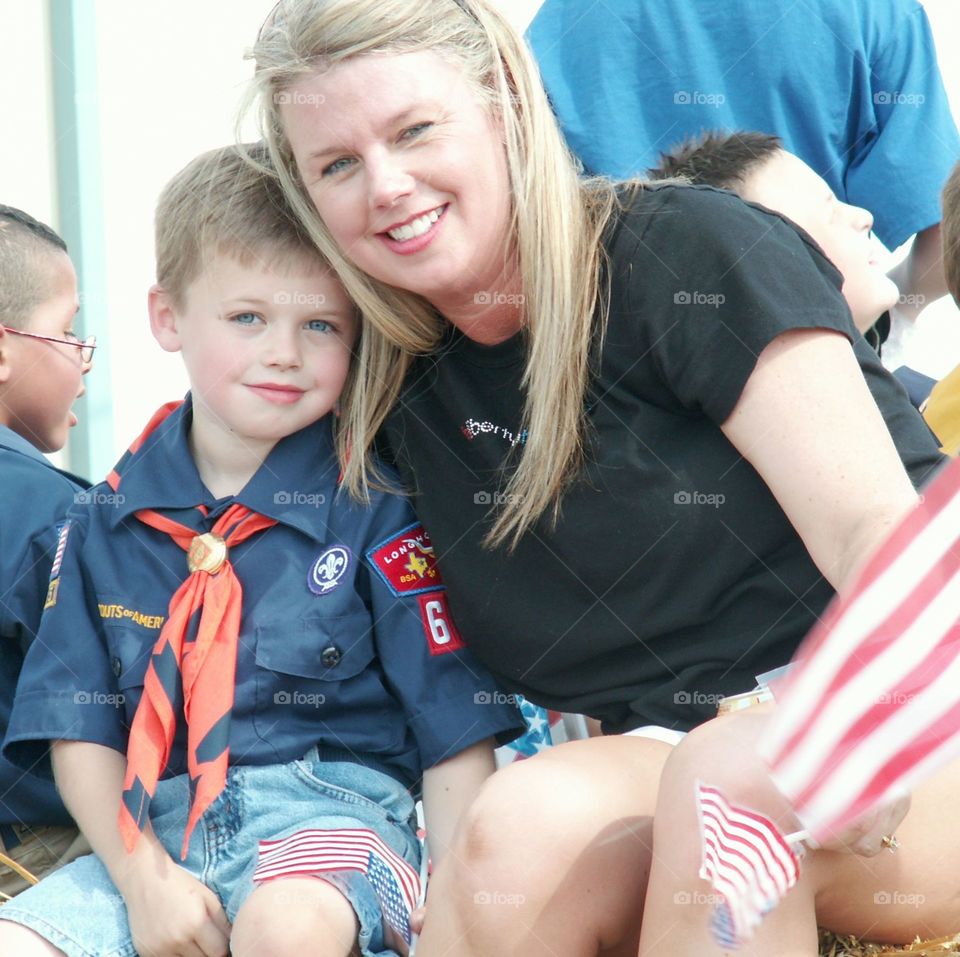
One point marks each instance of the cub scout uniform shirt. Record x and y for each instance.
(345, 638)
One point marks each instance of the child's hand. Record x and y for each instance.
(416, 919)
(172, 914)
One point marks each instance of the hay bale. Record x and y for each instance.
(833, 946)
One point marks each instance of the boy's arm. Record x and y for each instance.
(170, 911)
(448, 790)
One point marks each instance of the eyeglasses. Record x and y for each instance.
(86, 346)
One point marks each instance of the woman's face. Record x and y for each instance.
(406, 166)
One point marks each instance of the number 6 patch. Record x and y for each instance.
(441, 632)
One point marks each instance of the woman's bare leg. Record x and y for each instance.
(553, 858)
(889, 897)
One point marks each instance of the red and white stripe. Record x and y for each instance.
(746, 859)
(315, 851)
(873, 705)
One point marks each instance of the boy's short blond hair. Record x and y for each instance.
(221, 204)
(950, 232)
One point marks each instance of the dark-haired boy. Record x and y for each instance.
(758, 169)
(42, 364)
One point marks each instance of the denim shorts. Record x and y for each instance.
(79, 910)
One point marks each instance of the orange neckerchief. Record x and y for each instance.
(196, 650)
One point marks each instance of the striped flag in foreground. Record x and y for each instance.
(748, 862)
(310, 852)
(873, 704)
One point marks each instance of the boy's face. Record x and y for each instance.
(267, 350)
(41, 380)
(785, 184)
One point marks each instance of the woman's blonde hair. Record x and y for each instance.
(557, 222)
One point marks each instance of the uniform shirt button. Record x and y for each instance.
(330, 656)
(116, 665)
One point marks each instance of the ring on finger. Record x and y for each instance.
(890, 842)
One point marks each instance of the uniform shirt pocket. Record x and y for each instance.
(319, 682)
(318, 649)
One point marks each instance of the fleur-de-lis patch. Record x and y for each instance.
(328, 570)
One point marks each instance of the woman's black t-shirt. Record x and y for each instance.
(672, 576)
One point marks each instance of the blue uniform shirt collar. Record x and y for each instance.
(295, 485)
(17, 443)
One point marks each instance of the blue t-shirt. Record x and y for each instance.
(346, 641)
(36, 496)
(851, 86)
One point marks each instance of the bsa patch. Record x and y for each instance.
(406, 562)
(61, 548)
(328, 570)
(441, 632)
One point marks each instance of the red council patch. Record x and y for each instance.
(406, 562)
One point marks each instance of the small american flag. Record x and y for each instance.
(314, 851)
(748, 862)
(873, 703)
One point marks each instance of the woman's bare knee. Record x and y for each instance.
(548, 834)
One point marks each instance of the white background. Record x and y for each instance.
(169, 78)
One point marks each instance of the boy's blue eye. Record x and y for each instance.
(319, 325)
(245, 318)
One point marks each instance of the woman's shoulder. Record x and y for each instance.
(701, 212)
(661, 222)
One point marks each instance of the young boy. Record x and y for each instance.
(758, 169)
(304, 676)
(42, 364)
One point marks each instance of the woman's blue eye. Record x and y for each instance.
(319, 325)
(245, 318)
(336, 166)
(411, 131)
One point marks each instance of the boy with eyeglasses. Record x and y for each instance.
(42, 364)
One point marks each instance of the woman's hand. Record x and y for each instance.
(866, 836)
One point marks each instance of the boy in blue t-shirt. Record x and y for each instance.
(42, 364)
(280, 657)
